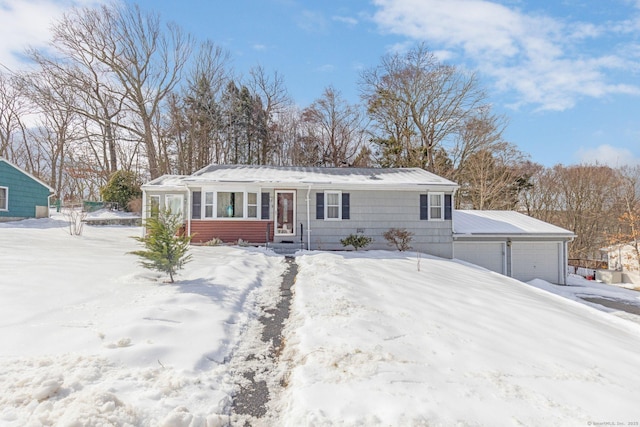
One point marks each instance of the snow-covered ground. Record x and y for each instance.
(580, 288)
(375, 338)
(91, 338)
(382, 338)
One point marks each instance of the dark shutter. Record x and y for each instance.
(424, 207)
(264, 211)
(345, 206)
(447, 206)
(319, 205)
(196, 203)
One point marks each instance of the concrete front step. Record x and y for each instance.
(285, 248)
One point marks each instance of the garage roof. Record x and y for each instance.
(503, 223)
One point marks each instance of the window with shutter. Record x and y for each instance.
(264, 206)
(319, 205)
(436, 210)
(424, 207)
(448, 209)
(346, 208)
(332, 206)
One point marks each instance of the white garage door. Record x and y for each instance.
(489, 255)
(535, 260)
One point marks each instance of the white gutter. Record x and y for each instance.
(308, 219)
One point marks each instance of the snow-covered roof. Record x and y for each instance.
(503, 223)
(167, 180)
(305, 176)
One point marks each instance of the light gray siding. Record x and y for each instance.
(371, 214)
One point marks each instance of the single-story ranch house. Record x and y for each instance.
(22, 195)
(314, 208)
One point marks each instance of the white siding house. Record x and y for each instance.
(512, 244)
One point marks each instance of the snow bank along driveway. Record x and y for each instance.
(374, 341)
(90, 338)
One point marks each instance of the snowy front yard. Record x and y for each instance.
(374, 341)
(90, 338)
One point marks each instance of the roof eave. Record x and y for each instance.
(520, 234)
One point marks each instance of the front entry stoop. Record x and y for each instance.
(285, 248)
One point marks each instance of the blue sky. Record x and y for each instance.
(566, 73)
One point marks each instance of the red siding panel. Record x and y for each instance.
(231, 231)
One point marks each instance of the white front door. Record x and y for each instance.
(285, 213)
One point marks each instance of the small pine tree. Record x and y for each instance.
(166, 251)
(356, 240)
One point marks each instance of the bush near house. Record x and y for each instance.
(357, 241)
(399, 237)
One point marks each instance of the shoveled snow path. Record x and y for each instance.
(261, 368)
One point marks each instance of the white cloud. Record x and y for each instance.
(536, 56)
(312, 21)
(351, 22)
(607, 155)
(26, 23)
(326, 68)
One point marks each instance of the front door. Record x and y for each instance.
(285, 213)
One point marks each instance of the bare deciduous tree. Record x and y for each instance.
(275, 101)
(56, 128)
(580, 198)
(334, 131)
(141, 57)
(9, 113)
(96, 98)
(417, 103)
(492, 179)
(13, 135)
(628, 226)
(491, 172)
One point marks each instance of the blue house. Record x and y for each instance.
(21, 194)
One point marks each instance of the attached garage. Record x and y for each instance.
(490, 255)
(512, 244)
(536, 260)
